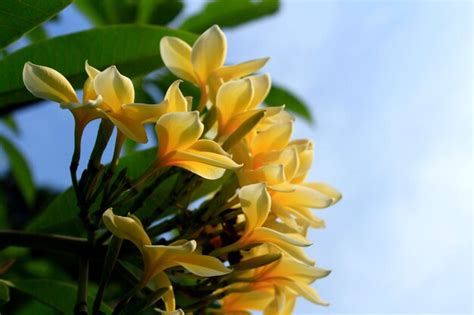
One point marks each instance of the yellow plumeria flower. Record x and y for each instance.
(118, 96)
(276, 285)
(178, 136)
(237, 101)
(47, 83)
(205, 59)
(256, 203)
(158, 258)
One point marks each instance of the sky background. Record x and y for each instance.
(390, 85)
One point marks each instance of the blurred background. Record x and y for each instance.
(389, 84)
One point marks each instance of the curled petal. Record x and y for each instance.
(176, 101)
(269, 174)
(275, 137)
(161, 281)
(146, 113)
(131, 128)
(91, 71)
(232, 98)
(240, 70)
(208, 53)
(176, 55)
(266, 235)
(129, 228)
(115, 88)
(202, 265)
(304, 290)
(47, 83)
(255, 201)
(303, 196)
(325, 189)
(261, 84)
(178, 131)
(205, 158)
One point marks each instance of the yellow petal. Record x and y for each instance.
(276, 306)
(158, 258)
(261, 85)
(268, 174)
(208, 53)
(305, 153)
(145, 113)
(178, 131)
(47, 83)
(303, 196)
(304, 290)
(255, 201)
(302, 213)
(91, 71)
(176, 55)
(114, 88)
(266, 235)
(161, 281)
(290, 269)
(205, 158)
(241, 119)
(129, 228)
(253, 300)
(132, 129)
(326, 190)
(240, 70)
(274, 138)
(232, 98)
(202, 265)
(176, 101)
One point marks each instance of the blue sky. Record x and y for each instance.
(390, 84)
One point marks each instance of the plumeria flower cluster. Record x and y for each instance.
(245, 241)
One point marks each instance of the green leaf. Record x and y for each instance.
(37, 34)
(20, 170)
(158, 12)
(227, 13)
(19, 17)
(4, 292)
(59, 217)
(133, 49)
(57, 294)
(10, 122)
(280, 96)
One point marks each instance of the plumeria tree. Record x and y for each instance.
(212, 219)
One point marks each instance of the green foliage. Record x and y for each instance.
(229, 13)
(4, 292)
(280, 96)
(20, 169)
(56, 294)
(59, 217)
(132, 48)
(158, 12)
(19, 17)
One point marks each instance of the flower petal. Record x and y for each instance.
(303, 196)
(202, 265)
(261, 85)
(145, 113)
(115, 88)
(240, 70)
(176, 101)
(232, 98)
(177, 131)
(47, 83)
(326, 190)
(274, 138)
(129, 228)
(304, 290)
(176, 55)
(205, 158)
(133, 129)
(255, 201)
(208, 53)
(161, 281)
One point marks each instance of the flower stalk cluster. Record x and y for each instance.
(241, 246)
